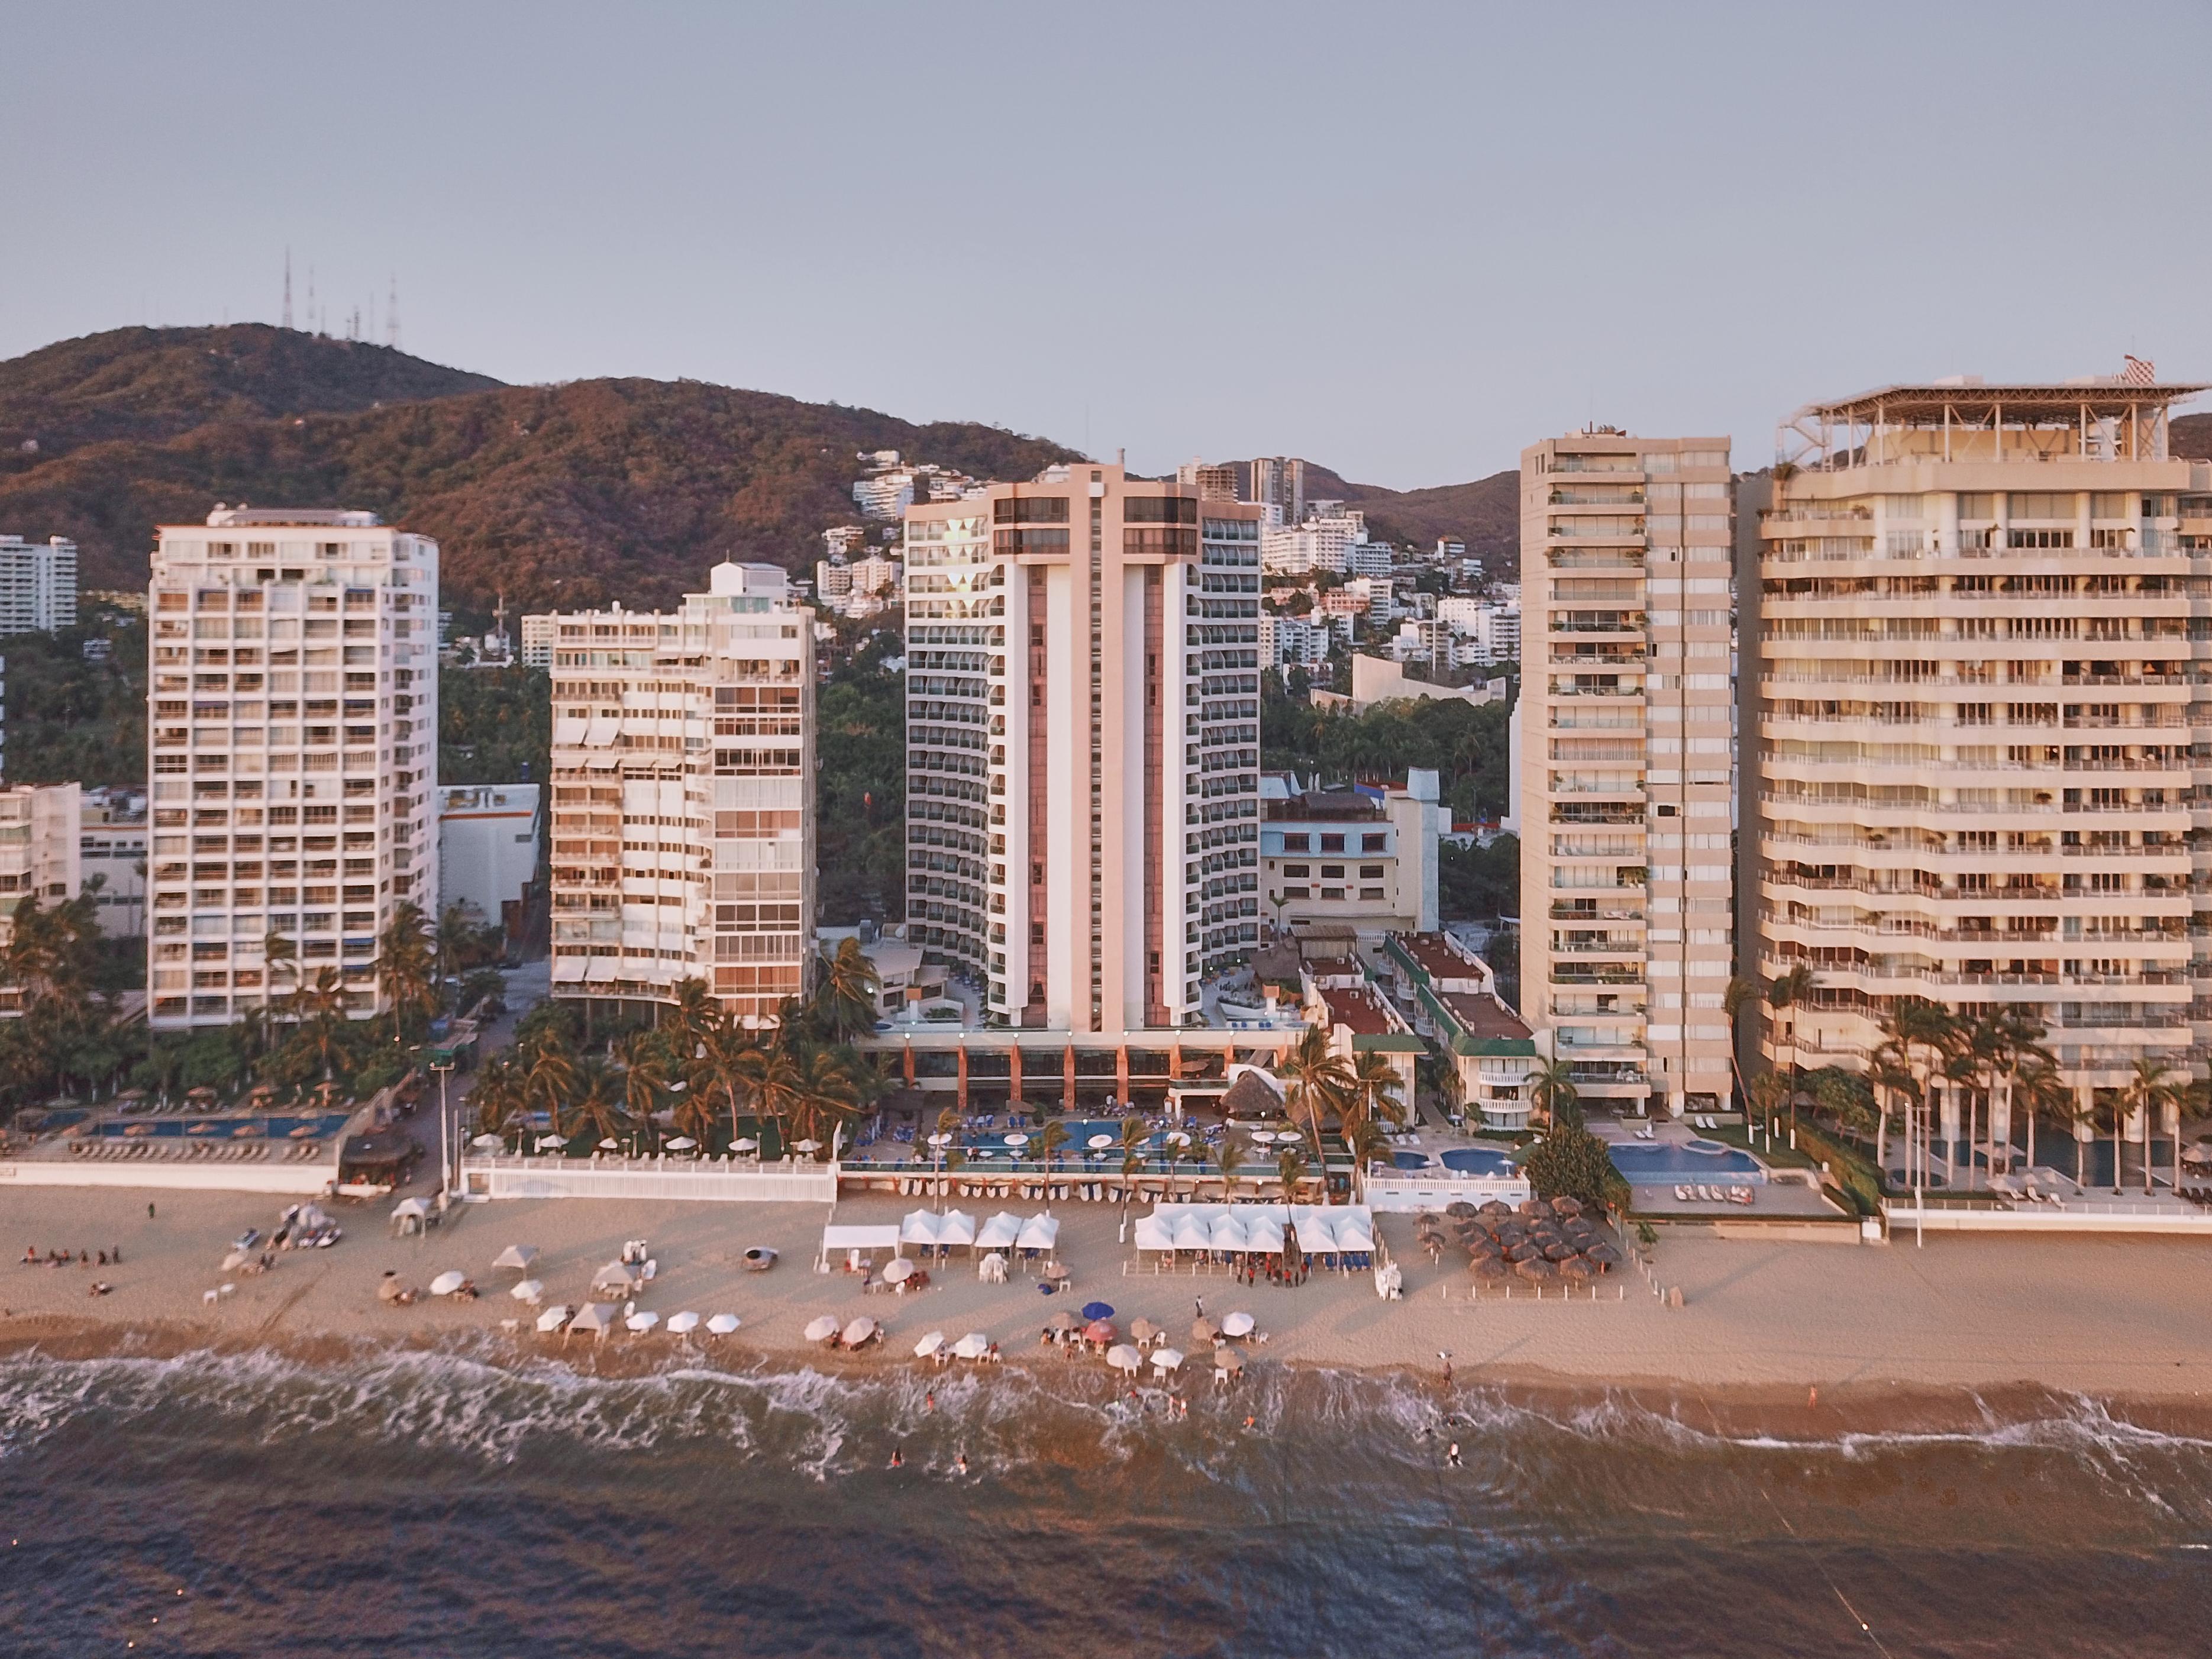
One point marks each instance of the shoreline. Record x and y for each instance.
(1778, 1415)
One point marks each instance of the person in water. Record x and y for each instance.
(1451, 1457)
(960, 1463)
(898, 1458)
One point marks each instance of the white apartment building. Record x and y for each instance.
(1362, 857)
(1492, 630)
(1277, 484)
(111, 846)
(1979, 638)
(683, 816)
(38, 856)
(884, 495)
(488, 842)
(1082, 744)
(38, 585)
(1363, 557)
(1321, 543)
(537, 641)
(1627, 765)
(1289, 641)
(295, 693)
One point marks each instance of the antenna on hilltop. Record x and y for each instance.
(314, 325)
(288, 287)
(392, 315)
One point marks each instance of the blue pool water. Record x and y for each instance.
(1478, 1160)
(993, 1142)
(320, 1126)
(1411, 1160)
(1699, 1160)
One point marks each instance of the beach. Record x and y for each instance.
(2115, 1317)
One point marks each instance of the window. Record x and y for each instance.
(1297, 872)
(1158, 509)
(1371, 872)
(1374, 844)
(1030, 509)
(1297, 843)
(1371, 892)
(1332, 843)
(1332, 873)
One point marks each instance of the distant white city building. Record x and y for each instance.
(38, 585)
(1291, 641)
(112, 845)
(488, 841)
(884, 495)
(841, 539)
(38, 858)
(537, 641)
(1363, 557)
(1321, 545)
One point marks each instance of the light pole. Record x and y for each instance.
(446, 1132)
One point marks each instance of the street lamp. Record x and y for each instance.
(446, 1129)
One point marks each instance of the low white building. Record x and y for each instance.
(112, 845)
(488, 837)
(1365, 856)
(38, 585)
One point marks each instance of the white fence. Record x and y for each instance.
(1402, 1190)
(158, 1175)
(2047, 1218)
(649, 1178)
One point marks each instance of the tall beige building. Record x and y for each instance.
(1082, 744)
(1981, 652)
(1627, 765)
(294, 705)
(683, 812)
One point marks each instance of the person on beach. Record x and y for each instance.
(1197, 1307)
(1451, 1457)
(898, 1458)
(150, 1212)
(1249, 1422)
(929, 1399)
(1445, 1355)
(960, 1464)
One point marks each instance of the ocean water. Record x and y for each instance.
(444, 1502)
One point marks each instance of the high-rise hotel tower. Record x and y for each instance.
(1082, 744)
(294, 698)
(683, 820)
(1981, 653)
(1627, 763)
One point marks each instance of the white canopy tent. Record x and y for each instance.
(1258, 1229)
(999, 1232)
(1039, 1232)
(859, 1241)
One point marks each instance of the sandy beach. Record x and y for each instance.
(2120, 1318)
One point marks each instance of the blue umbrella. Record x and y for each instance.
(1097, 1310)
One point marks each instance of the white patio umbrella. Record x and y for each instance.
(236, 1259)
(723, 1324)
(555, 1141)
(929, 1344)
(940, 1140)
(858, 1331)
(897, 1270)
(1166, 1360)
(553, 1318)
(747, 1145)
(447, 1283)
(1018, 1139)
(1236, 1324)
(1099, 1143)
(821, 1329)
(1178, 1137)
(488, 1143)
(517, 1256)
(609, 1145)
(808, 1146)
(974, 1345)
(1123, 1357)
(683, 1324)
(682, 1144)
(643, 1321)
(530, 1290)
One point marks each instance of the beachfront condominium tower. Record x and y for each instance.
(294, 698)
(683, 815)
(1627, 765)
(1082, 744)
(1979, 635)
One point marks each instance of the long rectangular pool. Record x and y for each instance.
(1658, 1162)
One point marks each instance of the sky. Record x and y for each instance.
(1401, 240)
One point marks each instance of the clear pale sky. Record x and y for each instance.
(1401, 240)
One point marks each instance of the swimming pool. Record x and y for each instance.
(1073, 1150)
(1652, 1163)
(1478, 1160)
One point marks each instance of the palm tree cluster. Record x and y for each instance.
(1361, 1094)
(695, 1065)
(63, 1035)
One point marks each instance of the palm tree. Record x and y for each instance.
(408, 966)
(1735, 999)
(1768, 1091)
(455, 941)
(498, 1095)
(1924, 1034)
(1050, 1139)
(772, 1081)
(1319, 1082)
(2040, 1093)
(645, 1075)
(1228, 1158)
(1789, 993)
(595, 1106)
(278, 951)
(1552, 1088)
(714, 1054)
(1176, 1152)
(2148, 1088)
(1291, 1167)
(825, 1096)
(1374, 1090)
(1893, 1082)
(1133, 1137)
(847, 991)
(322, 1019)
(550, 1072)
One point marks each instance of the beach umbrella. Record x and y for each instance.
(1062, 1321)
(1236, 1324)
(447, 1283)
(1489, 1268)
(1564, 1205)
(1495, 1206)
(1018, 1139)
(682, 1144)
(974, 1345)
(641, 1322)
(1604, 1254)
(1099, 1143)
(482, 1142)
(1099, 1331)
(1228, 1359)
(236, 1259)
(1561, 1252)
(553, 1319)
(745, 1145)
(388, 1290)
(611, 1145)
(1533, 1206)
(940, 1139)
(820, 1328)
(1166, 1360)
(722, 1324)
(595, 1317)
(1459, 1207)
(1123, 1357)
(683, 1324)
(897, 1270)
(1205, 1333)
(517, 1256)
(1536, 1267)
(804, 1146)
(1178, 1137)
(530, 1291)
(929, 1344)
(858, 1331)
(1525, 1251)
(1055, 1270)
(1574, 1267)
(1143, 1330)
(1097, 1310)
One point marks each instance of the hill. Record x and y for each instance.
(572, 495)
(2190, 435)
(1485, 514)
(149, 384)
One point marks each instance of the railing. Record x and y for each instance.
(712, 1180)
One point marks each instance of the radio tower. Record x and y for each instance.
(392, 314)
(288, 287)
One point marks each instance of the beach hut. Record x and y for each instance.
(623, 1277)
(1153, 1233)
(409, 1215)
(956, 1229)
(529, 1290)
(1226, 1233)
(596, 1317)
(1192, 1232)
(553, 1318)
(516, 1256)
(918, 1227)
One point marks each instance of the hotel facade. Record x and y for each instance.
(1083, 740)
(1975, 617)
(293, 697)
(683, 798)
(1627, 765)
